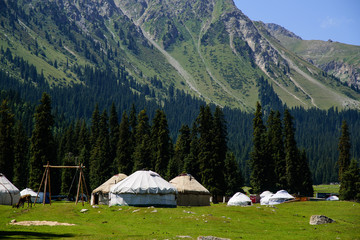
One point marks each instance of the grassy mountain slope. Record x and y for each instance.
(209, 49)
(341, 60)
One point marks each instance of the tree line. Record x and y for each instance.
(276, 161)
(108, 146)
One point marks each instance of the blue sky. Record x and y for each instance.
(309, 19)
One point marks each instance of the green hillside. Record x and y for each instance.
(207, 49)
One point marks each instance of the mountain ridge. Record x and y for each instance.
(208, 49)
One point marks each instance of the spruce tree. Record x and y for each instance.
(350, 184)
(21, 161)
(125, 148)
(100, 164)
(232, 175)
(344, 147)
(182, 148)
(42, 142)
(277, 165)
(307, 182)
(161, 143)
(292, 156)
(191, 161)
(206, 154)
(6, 141)
(114, 134)
(84, 149)
(95, 121)
(258, 153)
(142, 152)
(220, 149)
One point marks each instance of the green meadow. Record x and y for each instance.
(285, 221)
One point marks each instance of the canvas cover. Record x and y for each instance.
(280, 197)
(9, 194)
(100, 195)
(332, 198)
(143, 188)
(266, 199)
(190, 191)
(239, 199)
(265, 193)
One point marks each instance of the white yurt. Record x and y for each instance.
(266, 199)
(32, 194)
(239, 199)
(265, 193)
(280, 197)
(332, 198)
(100, 195)
(190, 191)
(143, 188)
(9, 194)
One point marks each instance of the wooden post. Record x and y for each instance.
(49, 186)
(78, 189)
(40, 187)
(46, 181)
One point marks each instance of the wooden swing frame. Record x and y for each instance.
(81, 183)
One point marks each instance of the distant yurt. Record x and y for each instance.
(100, 195)
(280, 197)
(32, 194)
(190, 191)
(143, 188)
(9, 194)
(265, 193)
(332, 198)
(239, 199)
(266, 199)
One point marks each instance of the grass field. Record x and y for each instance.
(285, 221)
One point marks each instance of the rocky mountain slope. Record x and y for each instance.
(341, 60)
(208, 49)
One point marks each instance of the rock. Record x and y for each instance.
(95, 206)
(320, 219)
(13, 221)
(84, 210)
(211, 238)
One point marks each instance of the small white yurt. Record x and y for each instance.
(143, 188)
(266, 199)
(265, 193)
(280, 197)
(32, 194)
(190, 191)
(9, 194)
(100, 195)
(239, 199)
(332, 198)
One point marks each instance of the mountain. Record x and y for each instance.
(208, 49)
(341, 60)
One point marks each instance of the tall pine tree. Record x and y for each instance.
(6, 140)
(142, 153)
(125, 148)
(258, 153)
(42, 148)
(350, 184)
(344, 149)
(21, 163)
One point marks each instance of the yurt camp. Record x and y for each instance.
(280, 197)
(190, 191)
(9, 194)
(100, 195)
(143, 188)
(239, 199)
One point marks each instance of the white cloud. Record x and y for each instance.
(329, 22)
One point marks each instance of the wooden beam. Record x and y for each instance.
(63, 166)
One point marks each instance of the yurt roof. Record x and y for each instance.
(265, 193)
(281, 194)
(144, 182)
(238, 198)
(186, 183)
(105, 187)
(28, 191)
(6, 185)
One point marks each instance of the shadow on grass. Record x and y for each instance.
(32, 235)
